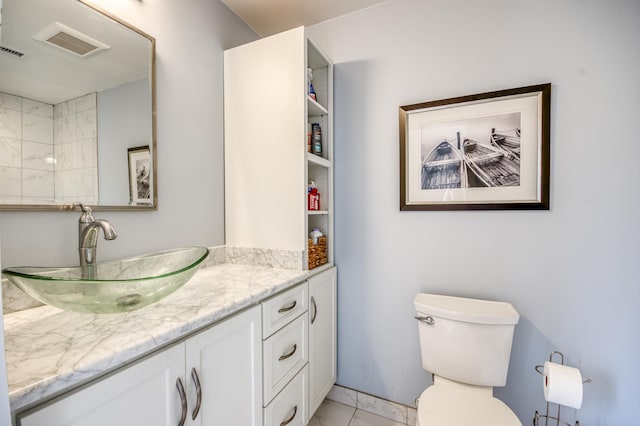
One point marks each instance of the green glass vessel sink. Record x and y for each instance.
(114, 286)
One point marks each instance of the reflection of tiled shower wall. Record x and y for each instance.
(48, 153)
(75, 133)
(26, 151)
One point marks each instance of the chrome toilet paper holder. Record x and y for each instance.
(547, 416)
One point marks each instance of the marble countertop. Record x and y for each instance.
(49, 350)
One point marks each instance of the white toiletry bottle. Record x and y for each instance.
(315, 234)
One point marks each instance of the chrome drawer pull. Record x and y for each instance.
(315, 310)
(196, 381)
(183, 400)
(287, 308)
(426, 320)
(290, 419)
(289, 355)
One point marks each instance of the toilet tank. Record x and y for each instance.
(466, 340)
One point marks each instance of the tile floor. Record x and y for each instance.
(331, 413)
(344, 407)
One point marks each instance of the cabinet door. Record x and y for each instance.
(143, 394)
(227, 360)
(322, 336)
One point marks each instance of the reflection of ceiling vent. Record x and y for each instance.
(72, 41)
(13, 52)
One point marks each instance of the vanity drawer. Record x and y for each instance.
(279, 310)
(284, 354)
(289, 407)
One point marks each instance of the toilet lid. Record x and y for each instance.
(455, 406)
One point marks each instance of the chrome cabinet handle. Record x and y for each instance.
(287, 308)
(290, 419)
(289, 355)
(315, 310)
(196, 381)
(183, 400)
(427, 320)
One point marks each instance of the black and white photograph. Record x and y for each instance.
(478, 152)
(140, 175)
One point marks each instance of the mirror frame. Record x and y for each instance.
(154, 147)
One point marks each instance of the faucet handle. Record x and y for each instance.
(86, 216)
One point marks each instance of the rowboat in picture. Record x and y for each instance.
(443, 168)
(490, 166)
(508, 141)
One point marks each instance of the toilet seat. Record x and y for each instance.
(449, 403)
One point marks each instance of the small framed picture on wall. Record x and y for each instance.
(140, 176)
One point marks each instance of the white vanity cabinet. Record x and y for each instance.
(269, 365)
(226, 360)
(143, 394)
(267, 113)
(322, 336)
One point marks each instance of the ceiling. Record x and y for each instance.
(267, 17)
(49, 74)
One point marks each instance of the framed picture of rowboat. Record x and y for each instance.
(479, 152)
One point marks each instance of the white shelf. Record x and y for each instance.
(314, 108)
(319, 168)
(318, 161)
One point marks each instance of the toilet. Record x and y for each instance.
(466, 345)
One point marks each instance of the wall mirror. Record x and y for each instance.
(77, 108)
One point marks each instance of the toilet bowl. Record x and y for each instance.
(448, 403)
(466, 345)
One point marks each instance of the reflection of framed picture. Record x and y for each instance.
(140, 176)
(478, 152)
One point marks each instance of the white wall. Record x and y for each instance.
(190, 38)
(124, 121)
(571, 272)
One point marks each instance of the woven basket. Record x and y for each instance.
(317, 252)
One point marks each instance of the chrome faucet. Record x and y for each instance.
(88, 229)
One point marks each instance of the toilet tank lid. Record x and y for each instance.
(467, 310)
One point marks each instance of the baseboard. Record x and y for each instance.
(382, 407)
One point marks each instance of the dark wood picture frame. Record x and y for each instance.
(453, 156)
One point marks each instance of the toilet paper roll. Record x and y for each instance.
(562, 385)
